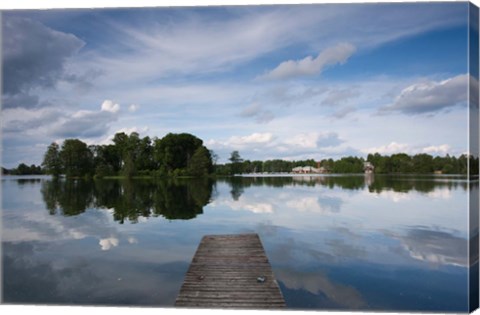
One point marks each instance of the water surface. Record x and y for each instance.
(334, 242)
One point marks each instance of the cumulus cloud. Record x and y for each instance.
(254, 138)
(309, 66)
(391, 148)
(110, 106)
(395, 147)
(440, 149)
(29, 62)
(430, 97)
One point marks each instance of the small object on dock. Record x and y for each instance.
(224, 273)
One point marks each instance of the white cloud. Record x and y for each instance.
(440, 149)
(312, 66)
(430, 96)
(391, 148)
(303, 140)
(133, 107)
(253, 139)
(395, 147)
(110, 106)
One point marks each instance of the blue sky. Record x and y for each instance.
(292, 82)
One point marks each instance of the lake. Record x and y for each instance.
(334, 242)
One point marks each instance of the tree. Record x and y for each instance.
(235, 157)
(236, 160)
(201, 163)
(76, 158)
(422, 163)
(129, 169)
(401, 163)
(174, 151)
(107, 161)
(51, 160)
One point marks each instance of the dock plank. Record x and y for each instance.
(223, 274)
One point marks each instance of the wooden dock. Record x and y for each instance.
(230, 271)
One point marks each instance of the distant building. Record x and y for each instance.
(368, 167)
(308, 170)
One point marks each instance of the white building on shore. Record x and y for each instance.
(308, 170)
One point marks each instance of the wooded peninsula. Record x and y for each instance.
(184, 154)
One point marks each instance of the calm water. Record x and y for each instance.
(336, 242)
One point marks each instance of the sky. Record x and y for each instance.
(278, 81)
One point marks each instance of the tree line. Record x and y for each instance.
(24, 169)
(400, 163)
(185, 155)
(178, 198)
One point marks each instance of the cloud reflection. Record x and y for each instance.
(107, 243)
(318, 283)
(434, 246)
(71, 278)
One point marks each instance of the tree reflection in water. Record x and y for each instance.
(185, 198)
(129, 199)
(374, 183)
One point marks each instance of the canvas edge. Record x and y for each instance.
(473, 145)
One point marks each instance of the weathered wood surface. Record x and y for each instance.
(224, 274)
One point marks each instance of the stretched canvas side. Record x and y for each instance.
(473, 68)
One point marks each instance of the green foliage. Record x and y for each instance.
(77, 159)
(348, 165)
(129, 170)
(129, 156)
(52, 163)
(174, 151)
(400, 163)
(201, 163)
(24, 169)
(237, 165)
